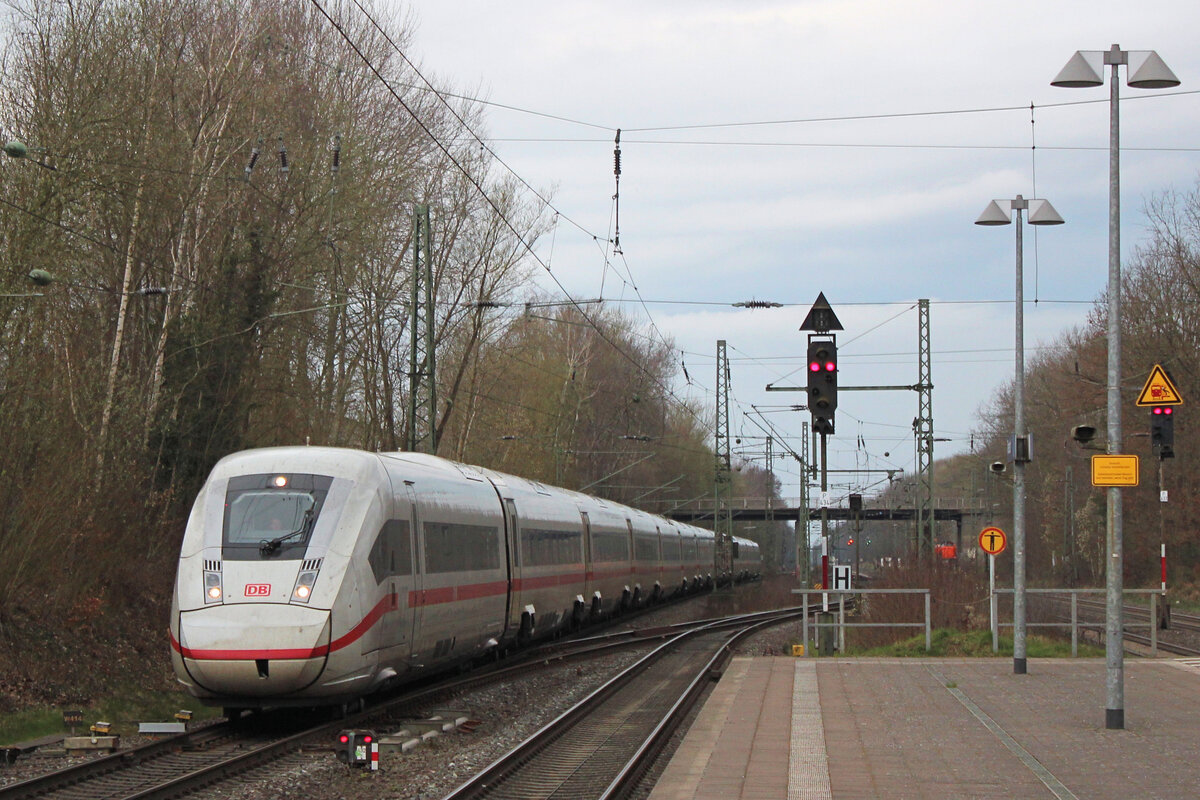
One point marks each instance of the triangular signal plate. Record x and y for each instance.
(821, 317)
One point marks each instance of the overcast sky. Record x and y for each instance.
(774, 150)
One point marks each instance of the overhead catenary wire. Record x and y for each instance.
(453, 111)
(615, 241)
(668, 392)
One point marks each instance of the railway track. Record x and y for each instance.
(164, 768)
(1135, 616)
(177, 765)
(1169, 647)
(602, 746)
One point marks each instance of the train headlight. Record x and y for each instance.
(212, 587)
(304, 586)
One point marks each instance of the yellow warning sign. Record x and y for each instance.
(1159, 391)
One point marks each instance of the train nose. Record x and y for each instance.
(254, 649)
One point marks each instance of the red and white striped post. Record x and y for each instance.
(1164, 569)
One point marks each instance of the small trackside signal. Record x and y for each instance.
(358, 748)
(1162, 431)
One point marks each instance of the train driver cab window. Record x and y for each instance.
(271, 516)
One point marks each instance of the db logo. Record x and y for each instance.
(258, 589)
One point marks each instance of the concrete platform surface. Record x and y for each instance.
(934, 729)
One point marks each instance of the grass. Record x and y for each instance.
(1186, 606)
(124, 708)
(973, 644)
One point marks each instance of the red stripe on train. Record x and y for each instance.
(385, 604)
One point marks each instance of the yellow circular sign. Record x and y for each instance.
(992, 541)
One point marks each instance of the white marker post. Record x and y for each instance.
(1163, 554)
(992, 541)
(992, 602)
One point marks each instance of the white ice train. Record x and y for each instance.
(314, 576)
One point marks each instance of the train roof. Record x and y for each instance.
(349, 461)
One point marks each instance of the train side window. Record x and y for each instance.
(456, 547)
(610, 545)
(391, 554)
(647, 548)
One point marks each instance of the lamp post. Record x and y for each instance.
(1147, 71)
(999, 212)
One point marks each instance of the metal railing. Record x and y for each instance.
(841, 623)
(1074, 624)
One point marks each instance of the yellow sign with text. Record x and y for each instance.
(1114, 470)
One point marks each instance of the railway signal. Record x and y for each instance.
(822, 383)
(358, 748)
(1162, 431)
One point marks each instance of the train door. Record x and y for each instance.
(659, 558)
(591, 592)
(587, 544)
(416, 584)
(512, 538)
(633, 570)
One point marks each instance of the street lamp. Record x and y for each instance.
(999, 212)
(1146, 71)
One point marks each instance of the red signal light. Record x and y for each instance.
(830, 366)
(344, 739)
(367, 739)
(814, 366)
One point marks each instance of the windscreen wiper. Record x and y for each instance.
(268, 546)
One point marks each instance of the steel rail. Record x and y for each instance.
(492, 778)
(633, 771)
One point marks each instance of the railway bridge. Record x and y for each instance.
(796, 513)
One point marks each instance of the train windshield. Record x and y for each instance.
(271, 516)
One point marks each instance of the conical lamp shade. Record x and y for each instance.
(994, 215)
(1078, 72)
(1153, 74)
(1043, 214)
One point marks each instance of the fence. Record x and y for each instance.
(841, 624)
(1074, 624)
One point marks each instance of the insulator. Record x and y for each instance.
(253, 159)
(617, 162)
(283, 164)
(337, 153)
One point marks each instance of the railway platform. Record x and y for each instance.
(934, 729)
